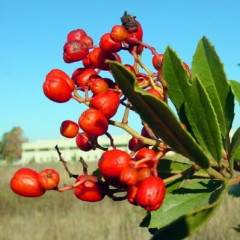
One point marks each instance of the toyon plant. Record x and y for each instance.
(180, 191)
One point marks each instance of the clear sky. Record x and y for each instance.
(33, 34)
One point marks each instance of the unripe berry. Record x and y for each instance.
(93, 122)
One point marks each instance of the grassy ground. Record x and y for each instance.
(57, 216)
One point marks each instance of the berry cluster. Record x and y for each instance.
(134, 173)
(29, 183)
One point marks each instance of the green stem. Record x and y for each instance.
(179, 175)
(79, 99)
(135, 134)
(214, 173)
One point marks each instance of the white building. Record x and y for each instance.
(44, 150)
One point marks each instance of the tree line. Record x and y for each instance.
(11, 144)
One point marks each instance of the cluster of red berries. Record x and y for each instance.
(29, 183)
(134, 173)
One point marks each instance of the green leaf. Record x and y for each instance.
(235, 143)
(237, 155)
(186, 209)
(157, 114)
(208, 68)
(203, 120)
(177, 78)
(97, 173)
(236, 89)
(169, 166)
(193, 105)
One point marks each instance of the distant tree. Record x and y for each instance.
(11, 144)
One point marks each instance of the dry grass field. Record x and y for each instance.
(61, 216)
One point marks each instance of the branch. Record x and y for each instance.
(71, 175)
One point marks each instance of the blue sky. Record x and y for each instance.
(33, 34)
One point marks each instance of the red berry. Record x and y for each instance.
(98, 58)
(25, 183)
(154, 92)
(75, 51)
(135, 36)
(107, 102)
(69, 129)
(57, 73)
(108, 44)
(111, 164)
(131, 194)
(48, 179)
(118, 33)
(97, 84)
(86, 62)
(130, 68)
(145, 133)
(157, 61)
(75, 35)
(87, 40)
(132, 143)
(186, 67)
(82, 79)
(151, 192)
(90, 191)
(93, 122)
(129, 176)
(111, 83)
(58, 86)
(76, 72)
(143, 173)
(145, 153)
(83, 141)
